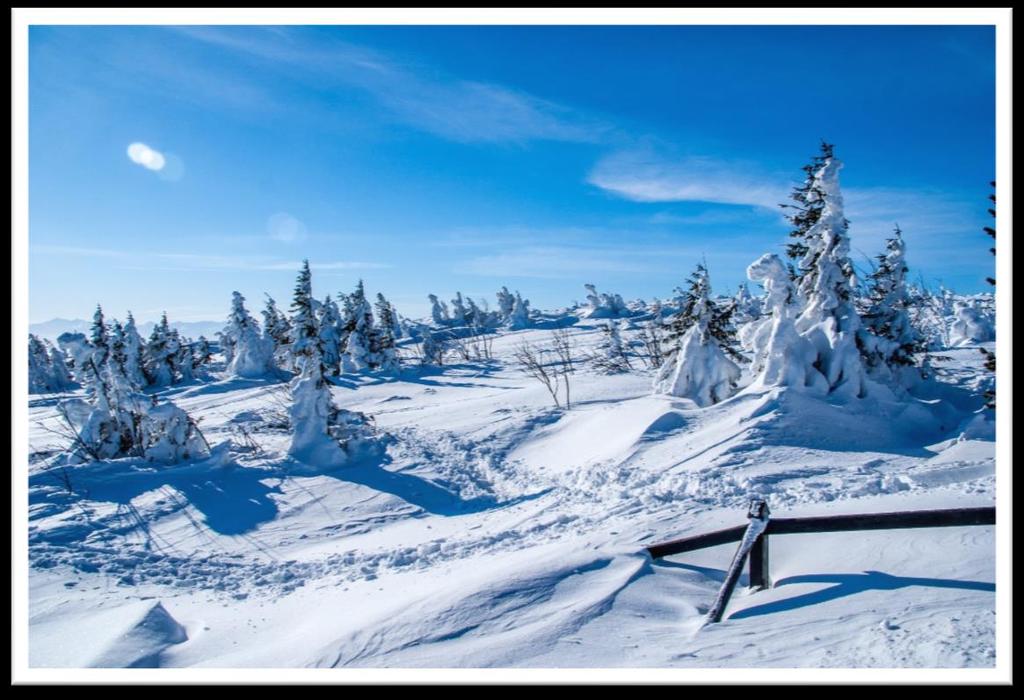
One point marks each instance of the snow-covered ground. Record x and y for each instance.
(499, 531)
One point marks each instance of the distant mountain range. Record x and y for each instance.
(190, 329)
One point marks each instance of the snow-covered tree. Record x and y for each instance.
(506, 304)
(520, 316)
(252, 352)
(384, 337)
(603, 305)
(611, 356)
(77, 347)
(970, 324)
(438, 311)
(321, 433)
(47, 371)
(748, 308)
(201, 353)
(160, 353)
(358, 355)
(825, 280)
(701, 363)
(59, 368)
(781, 356)
(890, 344)
(134, 365)
(433, 349)
(460, 314)
(305, 331)
(329, 322)
(276, 326)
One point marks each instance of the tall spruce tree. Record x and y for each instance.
(889, 342)
(810, 201)
(305, 329)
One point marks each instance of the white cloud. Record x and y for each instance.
(643, 176)
(147, 157)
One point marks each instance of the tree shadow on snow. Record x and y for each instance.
(420, 492)
(851, 584)
(191, 390)
(231, 499)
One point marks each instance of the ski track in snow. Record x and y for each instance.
(502, 531)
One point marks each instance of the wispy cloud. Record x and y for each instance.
(200, 262)
(644, 176)
(935, 224)
(420, 96)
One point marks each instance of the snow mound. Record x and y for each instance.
(572, 440)
(142, 643)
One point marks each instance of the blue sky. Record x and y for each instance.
(444, 159)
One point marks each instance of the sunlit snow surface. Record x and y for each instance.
(499, 531)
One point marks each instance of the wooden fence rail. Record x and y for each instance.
(758, 553)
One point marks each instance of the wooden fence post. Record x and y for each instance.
(760, 576)
(758, 514)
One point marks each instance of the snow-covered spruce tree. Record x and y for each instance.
(322, 434)
(438, 311)
(460, 314)
(201, 353)
(890, 345)
(158, 356)
(329, 322)
(781, 356)
(304, 340)
(252, 353)
(79, 351)
(747, 307)
(384, 337)
(810, 203)
(43, 376)
(703, 354)
(116, 420)
(970, 324)
(506, 304)
(520, 316)
(183, 359)
(603, 305)
(433, 349)
(358, 353)
(825, 281)
(276, 327)
(134, 365)
(59, 368)
(611, 354)
(99, 337)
